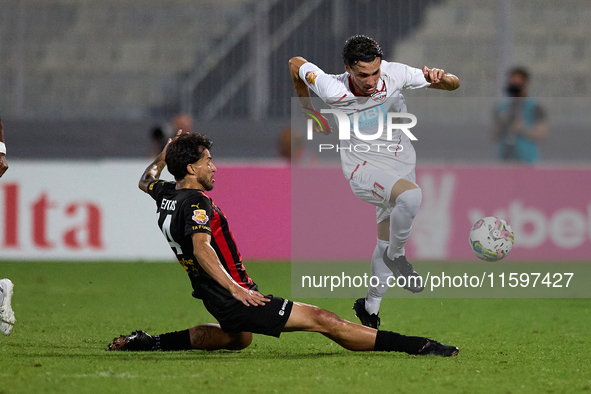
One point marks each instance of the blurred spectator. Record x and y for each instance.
(159, 135)
(3, 163)
(182, 122)
(158, 140)
(519, 122)
(291, 147)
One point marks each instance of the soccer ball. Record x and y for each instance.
(491, 238)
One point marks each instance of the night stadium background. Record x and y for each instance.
(83, 86)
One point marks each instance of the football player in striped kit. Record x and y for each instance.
(198, 233)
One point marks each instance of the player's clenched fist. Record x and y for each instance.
(433, 75)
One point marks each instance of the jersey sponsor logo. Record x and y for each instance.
(187, 263)
(201, 227)
(199, 216)
(369, 117)
(311, 77)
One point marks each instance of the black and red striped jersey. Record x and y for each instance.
(184, 212)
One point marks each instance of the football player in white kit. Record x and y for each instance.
(384, 174)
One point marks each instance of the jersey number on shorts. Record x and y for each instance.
(166, 232)
(376, 189)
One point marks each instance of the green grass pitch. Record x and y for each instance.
(67, 313)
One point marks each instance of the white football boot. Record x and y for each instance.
(7, 319)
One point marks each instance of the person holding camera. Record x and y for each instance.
(519, 122)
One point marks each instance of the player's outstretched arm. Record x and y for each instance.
(153, 171)
(208, 260)
(3, 163)
(439, 79)
(300, 86)
(303, 91)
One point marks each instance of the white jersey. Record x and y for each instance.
(396, 154)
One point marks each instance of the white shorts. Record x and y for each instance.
(374, 186)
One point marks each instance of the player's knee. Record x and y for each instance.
(240, 341)
(410, 200)
(401, 186)
(327, 321)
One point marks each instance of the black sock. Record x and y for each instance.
(388, 341)
(178, 340)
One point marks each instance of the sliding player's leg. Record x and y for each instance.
(201, 337)
(212, 337)
(353, 336)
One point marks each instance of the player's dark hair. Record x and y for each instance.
(184, 150)
(361, 49)
(521, 71)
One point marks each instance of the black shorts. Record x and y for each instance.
(234, 316)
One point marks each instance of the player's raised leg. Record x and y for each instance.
(406, 199)
(353, 336)
(369, 185)
(367, 308)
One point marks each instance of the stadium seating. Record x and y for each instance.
(104, 58)
(113, 67)
(551, 39)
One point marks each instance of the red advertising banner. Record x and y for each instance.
(549, 210)
(93, 211)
